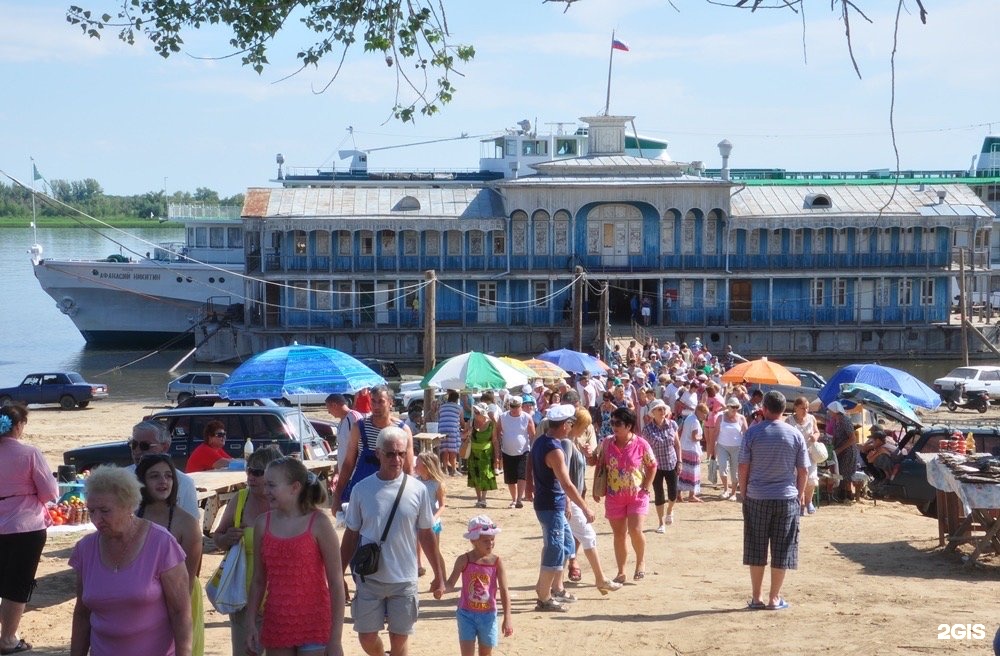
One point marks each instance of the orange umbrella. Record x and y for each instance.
(762, 372)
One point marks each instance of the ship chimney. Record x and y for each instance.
(606, 134)
(942, 194)
(725, 148)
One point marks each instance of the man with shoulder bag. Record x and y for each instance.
(389, 512)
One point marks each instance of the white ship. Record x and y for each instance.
(166, 298)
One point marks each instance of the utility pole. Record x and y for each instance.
(430, 339)
(961, 306)
(602, 327)
(578, 309)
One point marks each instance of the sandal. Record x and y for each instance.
(563, 596)
(619, 579)
(575, 575)
(549, 606)
(608, 586)
(17, 649)
(639, 575)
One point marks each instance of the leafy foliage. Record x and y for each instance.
(413, 36)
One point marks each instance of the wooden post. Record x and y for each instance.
(961, 305)
(430, 339)
(578, 309)
(602, 327)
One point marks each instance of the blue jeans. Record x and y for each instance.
(557, 538)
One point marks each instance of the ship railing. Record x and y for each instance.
(200, 211)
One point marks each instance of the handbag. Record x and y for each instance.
(818, 453)
(367, 557)
(713, 471)
(465, 450)
(227, 589)
(600, 474)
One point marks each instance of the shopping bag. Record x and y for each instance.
(713, 471)
(227, 589)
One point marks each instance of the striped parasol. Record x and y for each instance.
(546, 370)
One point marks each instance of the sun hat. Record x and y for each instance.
(481, 408)
(528, 399)
(732, 402)
(560, 412)
(514, 400)
(479, 526)
(836, 406)
(657, 404)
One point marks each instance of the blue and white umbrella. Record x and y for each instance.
(298, 370)
(573, 361)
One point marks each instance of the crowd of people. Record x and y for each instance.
(647, 427)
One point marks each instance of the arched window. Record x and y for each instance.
(668, 230)
(540, 224)
(407, 204)
(818, 201)
(410, 240)
(560, 231)
(432, 243)
(519, 233)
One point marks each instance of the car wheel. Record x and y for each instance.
(5, 400)
(67, 402)
(928, 509)
(182, 397)
(83, 404)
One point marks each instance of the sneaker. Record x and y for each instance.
(669, 519)
(727, 494)
(735, 497)
(661, 529)
(811, 509)
(549, 606)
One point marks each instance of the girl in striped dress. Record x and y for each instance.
(450, 423)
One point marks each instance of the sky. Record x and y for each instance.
(695, 74)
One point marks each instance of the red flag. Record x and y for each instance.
(618, 45)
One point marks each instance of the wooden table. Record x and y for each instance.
(216, 488)
(978, 502)
(429, 441)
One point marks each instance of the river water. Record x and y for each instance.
(36, 336)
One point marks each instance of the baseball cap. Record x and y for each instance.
(479, 526)
(560, 412)
(514, 400)
(528, 400)
(836, 406)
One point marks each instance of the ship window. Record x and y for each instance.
(487, 294)
(299, 239)
(476, 242)
(541, 293)
(818, 291)
(323, 301)
(841, 294)
(300, 294)
(409, 242)
(367, 242)
(566, 147)
(322, 242)
(818, 201)
(499, 243)
(454, 242)
(927, 291)
(432, 242)
(201, 237)
(217, 237)
(407, 203)
(344, 242)
(905, 292)
(534, 147)
(235, 237)
(388, 243)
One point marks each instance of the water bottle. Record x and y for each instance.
(970, 443)
(248, 449)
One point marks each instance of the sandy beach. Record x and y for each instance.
(871, 580)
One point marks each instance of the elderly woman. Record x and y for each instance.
(26, 485)
(845, 446)
(210, 454)
(806, 423)
(732, 428)
(661, 433)
(631, 467)
(236, 527)
(484, 457)
(132, 590)
(158, 476)
(689, 479)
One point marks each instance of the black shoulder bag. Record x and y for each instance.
(366, 559)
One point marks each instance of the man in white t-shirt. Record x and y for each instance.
(390, 594)
(516, 430)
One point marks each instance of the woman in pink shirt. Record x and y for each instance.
(26, 485)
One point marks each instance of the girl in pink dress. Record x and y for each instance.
(297, 565)
(482, 577)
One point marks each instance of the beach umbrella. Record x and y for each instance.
(896, 407)
(892, 380)
(573, 361)
(473, 370)
(762, 372)
(546, 370)
(519, 365)
(297, 370)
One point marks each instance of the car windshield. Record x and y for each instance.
(963, 372)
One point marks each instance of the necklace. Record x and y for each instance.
(126, 540)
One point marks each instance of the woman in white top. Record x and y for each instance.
(732, 426)
(806, 423)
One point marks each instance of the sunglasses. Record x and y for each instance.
(220, 433)
(142, 446)
(254, 471)
(394, 454)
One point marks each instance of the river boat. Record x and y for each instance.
(161, 298)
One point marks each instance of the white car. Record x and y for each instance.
(974, 377)
(194, 383)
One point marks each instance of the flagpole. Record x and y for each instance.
(607, 99)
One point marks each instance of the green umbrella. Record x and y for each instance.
(473, 370)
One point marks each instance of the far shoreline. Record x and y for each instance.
(87, 222)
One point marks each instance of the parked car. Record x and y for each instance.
(411, 396)
(810, 383)
(326, 429)
(906, 480)
(288, 428)
(68, 389)
(386, 369)
(194, 383)
(974, 377)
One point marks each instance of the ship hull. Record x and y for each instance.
(141, 304)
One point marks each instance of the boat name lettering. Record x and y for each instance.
(129, 276)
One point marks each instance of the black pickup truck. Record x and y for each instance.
(68, 389)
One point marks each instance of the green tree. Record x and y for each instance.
(206, 195)
(412, 36)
